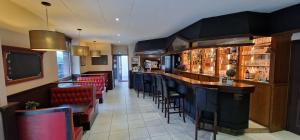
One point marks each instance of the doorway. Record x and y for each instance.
(293, 123)
(120, 68)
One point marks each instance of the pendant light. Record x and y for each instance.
(78, 50)
(95, 53)
(45, 40)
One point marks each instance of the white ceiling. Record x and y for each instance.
(139, 19)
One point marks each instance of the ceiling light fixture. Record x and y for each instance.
(95, 53)
(117, 19)
(45, 40)
(118, 34)
(78, 50)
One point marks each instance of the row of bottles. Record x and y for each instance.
(257, 74)
(251, 62)
(256, 60)
(228, 59)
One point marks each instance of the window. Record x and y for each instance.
(63, 64)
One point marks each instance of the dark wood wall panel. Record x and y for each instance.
(39, 94)
(279, 107)
(9, 121)
(293, 122)
(281, 47)
(260, 104)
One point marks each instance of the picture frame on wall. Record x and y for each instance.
(82, 61)
(135, 60)
(102, 60)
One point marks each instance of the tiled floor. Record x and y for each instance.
(123, 116)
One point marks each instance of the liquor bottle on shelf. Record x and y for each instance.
(247, 76)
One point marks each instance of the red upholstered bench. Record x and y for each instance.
(97, 81)
(77, 95)
(47, 124)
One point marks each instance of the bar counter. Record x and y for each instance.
(234, 101)
(235, 88)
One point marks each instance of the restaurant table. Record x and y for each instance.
(78, 112)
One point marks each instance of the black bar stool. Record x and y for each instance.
(206, 102)
(171, 97)
(147, 82)
(153, 88)
(159, 91)
(172, 85)
(138, 83)
(182, 89)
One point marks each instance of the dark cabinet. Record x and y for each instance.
(293, 122)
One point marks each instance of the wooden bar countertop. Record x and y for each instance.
(235, 88)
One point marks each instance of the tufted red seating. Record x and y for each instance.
(77, 95)
(47, 124)
(73, 95)
(97, 81)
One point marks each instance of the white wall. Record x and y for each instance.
(296, 36)
(130, 53)
(75, 64)
(50, 66)
(106, 49)
(3, 99)
(15, 22)
(119, 49)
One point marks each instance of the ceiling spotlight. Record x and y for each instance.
(117, 19)
(118, 34)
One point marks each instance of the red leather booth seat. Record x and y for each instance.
(77, 95)
(47, 124)
(97, 81)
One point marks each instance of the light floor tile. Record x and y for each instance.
(157, 131)
(123, 116)
(163, 137)
(156, 122)
(119, 127)
(136, 124)
(99, 136)
(121, 135)
(138, 133)
(100, 128)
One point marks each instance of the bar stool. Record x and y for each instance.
(153, 88)
(171, 97)
(159, 90)
(206, 102)
(182, 89)
(172, 85)
(138, 83)
(147, 82)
